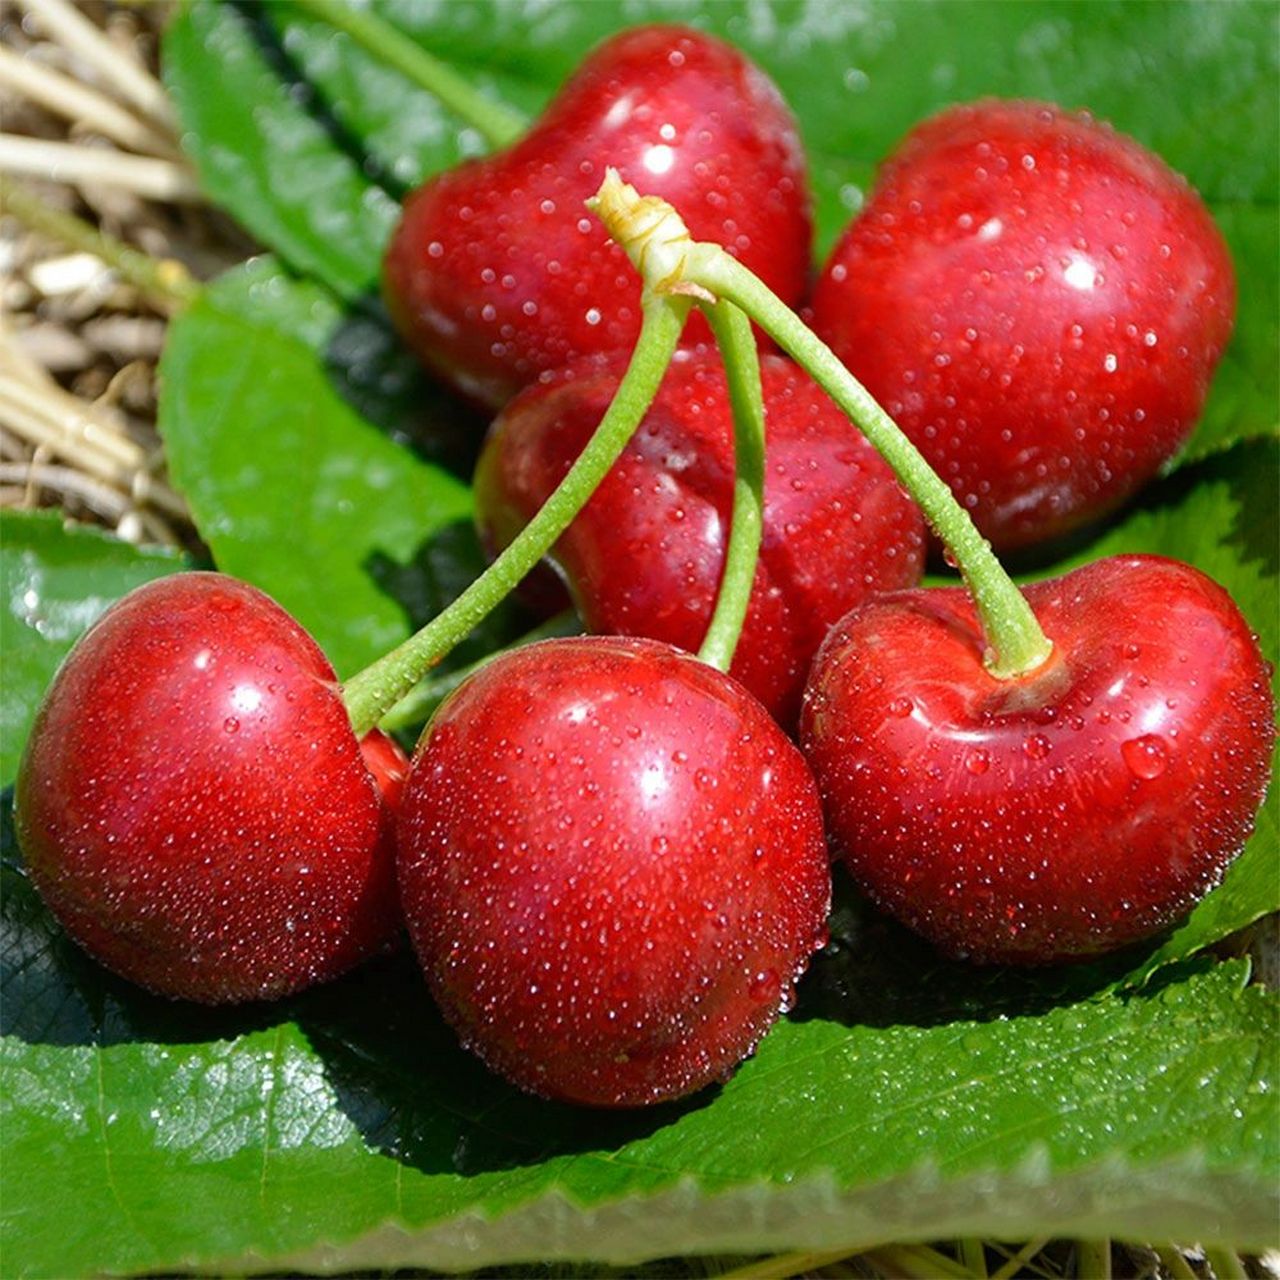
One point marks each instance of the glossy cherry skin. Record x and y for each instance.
(497, 271)
(612, 867)
(1060, 815)
(194, 807)
(645, 555)
(1039, 302)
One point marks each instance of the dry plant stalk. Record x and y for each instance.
(103, 236)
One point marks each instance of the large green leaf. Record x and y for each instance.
(253, 132)
(55, 580)
(310, 142)
(1246, 388)
(286, 420)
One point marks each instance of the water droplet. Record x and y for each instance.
(1147, 757)
(977, 762)
(1036, 746)
(901, 708)
(231, 724)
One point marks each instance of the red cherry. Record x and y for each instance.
(497, 271)
(613, 869)
(1040, 302)
(1056, 816)
(646, 554)
(194, 807)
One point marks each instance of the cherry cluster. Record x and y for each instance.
(612, 855)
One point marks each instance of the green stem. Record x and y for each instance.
(498, 124)
(417, 704)
(375, 690)
(1017, 644)
(742, 369)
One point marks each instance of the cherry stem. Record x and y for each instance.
(499, 125)
(1017, 645)
(742, 369)
(370, 694)
(428, 693)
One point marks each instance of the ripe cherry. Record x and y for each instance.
(1040, 302)
(1062, 814)
(646, 554)
(612, 867)
(497, 272)
(194, 806)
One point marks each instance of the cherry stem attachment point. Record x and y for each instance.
(1016, 644)
(499, 125)
(428, 693)
(742, 369)
(375, 690)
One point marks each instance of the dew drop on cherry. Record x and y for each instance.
(1147, 757)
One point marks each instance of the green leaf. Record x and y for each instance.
(1222, 516)
(55, 580)
(1245, 397)
(216, 1139)
(286, 420)
(267, 151)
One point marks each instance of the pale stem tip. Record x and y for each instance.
(649, 230)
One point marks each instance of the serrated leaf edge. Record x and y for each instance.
(1112, 1197)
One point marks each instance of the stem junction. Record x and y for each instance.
(1016, 644)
